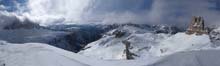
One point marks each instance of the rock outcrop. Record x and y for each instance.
(197, 26)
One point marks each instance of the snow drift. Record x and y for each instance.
(35, 54)
(38, 54)
(182, 42)
(192, 58)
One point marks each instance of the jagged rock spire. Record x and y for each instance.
(197, 26)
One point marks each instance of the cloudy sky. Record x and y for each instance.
(171, 12)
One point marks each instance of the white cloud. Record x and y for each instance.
(2, 7)
(70, 10)
(170, 12)
(9, 18)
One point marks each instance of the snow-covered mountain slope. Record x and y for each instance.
(69, 37)
(110, 47)
(182, 42)
(192, 58)
(151, 48)
(145, 43)
(36, 54)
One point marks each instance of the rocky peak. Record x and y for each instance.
(197, 26)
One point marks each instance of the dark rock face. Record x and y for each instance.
(80, 35)
(80, 39)
(166, 29)
(128, 54)
(215, 37)
(119, 33)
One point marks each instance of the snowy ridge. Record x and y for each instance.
(215, 36)
(151, 47)
(145, 43)
(110, 47)
(35, 54)
(156, 49)
(182, 42)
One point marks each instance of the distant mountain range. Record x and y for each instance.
(149, 44)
